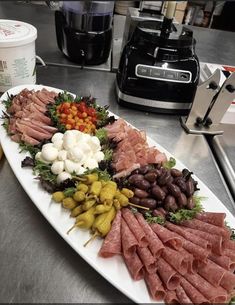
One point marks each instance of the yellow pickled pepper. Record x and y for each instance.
(107, 193)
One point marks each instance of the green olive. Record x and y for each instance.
(79, 196)
(58, 196)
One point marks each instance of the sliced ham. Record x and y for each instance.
(27, 139)
(147, 259)
(33, 133)
(222, 260)
(155, 286)
(213, 294)
(215, 240)
(216, 219)
(129, 242)
(178, 261)
(206, 227)
(155, 244)
(168, 275)
(135, 266)
(189, 236)
(182, 296)
(135, 227)
(112, 242)
(194, 294)
(168, 238)
(211, 272)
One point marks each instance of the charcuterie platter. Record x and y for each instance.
(113, 268)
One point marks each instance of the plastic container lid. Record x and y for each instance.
(15, 33)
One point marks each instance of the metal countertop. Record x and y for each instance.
(224, 150)
(36, 265)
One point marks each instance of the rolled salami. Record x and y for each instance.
(211, 272)
(155, 286)
(216, 219)
(176, 259)
(112, 242)
(135, 266)
(228, 281)
(194, 294)
(167, 274)
(135, 227)
(147, 259)
(222, 260)
(171, 297)
(182, 296)
(129, 242)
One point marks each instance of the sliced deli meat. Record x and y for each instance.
(129, 242)
(171, 297)
(193, 293)
(155, 244)
(223, 261)
(135, 227)
(212, 272)
(230, 244)
(168, 238)
(176, 259)
(216, 219)
(168, 275)
(228, 281)
(147, 259)
(155, 286)
(112, 242)
(182, 296)
(135, 266)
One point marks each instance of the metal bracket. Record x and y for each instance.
(209, 105)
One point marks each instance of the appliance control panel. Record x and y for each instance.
(164, 74)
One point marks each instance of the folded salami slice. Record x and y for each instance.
(216, 219)
(194, 294)
(198, 252)
(129, 242)
(206, 227)
(211, 272)
(135, 267)
(171, 297)
(190, 260)
(168, 238)
(222, 260)
(182, 296)
(230, 244)
(112, 242)
(155, 286)
(167, 274)
(213, 294)
(135, 227)
(147, 259)
(155, 244)
(230, 253)
(228, 281)
(215, 240)
(189, 236)
(176, 259)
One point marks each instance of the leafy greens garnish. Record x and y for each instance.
(232, 237)
(68, 192)
(169, 164)
(33, 150)
(185, 214)
(43, 170)
(154, 219)
(102, 174)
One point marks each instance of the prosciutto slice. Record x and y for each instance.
(135, 227)
(154, 243)
(112, 242)
(167, 274)
(206, 227)
(194, 294)
(216, 219)
(135, 266)
(129, 242)
(167, 237)
(155, 286)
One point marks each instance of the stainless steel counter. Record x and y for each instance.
(36, 265)
(224, 148)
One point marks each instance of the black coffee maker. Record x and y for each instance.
(84, 30)
(158, 70)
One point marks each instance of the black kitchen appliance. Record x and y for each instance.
(158, 70)
(84, 30)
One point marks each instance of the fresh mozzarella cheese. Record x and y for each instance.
(58, 144)
(91, 163)
(57, 167)
(62, 177)
(49, 153)
(71, 166)
(76, 154)
(62, 155)
(99, 156)
(38, 156)
(57, 137)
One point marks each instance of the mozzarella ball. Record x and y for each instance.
(91, 163)
(70, 166)
(57, 137)
(49, 153)
(98, 156)
(62, 155)
(80, 170)
(62, 177)
(38, 157)
(94, 144)
(85, 148)
(57, 167)
(75, 154)
(69, 139)
(58, 144)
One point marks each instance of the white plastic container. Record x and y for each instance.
(17, 54)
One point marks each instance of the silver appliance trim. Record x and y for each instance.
(163, 79)
(151, 103)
